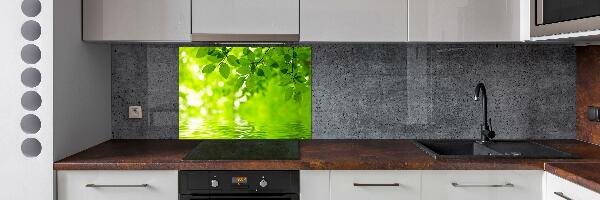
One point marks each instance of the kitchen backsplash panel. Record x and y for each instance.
(383, 91)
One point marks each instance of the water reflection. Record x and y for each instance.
(243, 129)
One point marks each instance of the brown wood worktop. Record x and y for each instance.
(314, 154)
(584, 174)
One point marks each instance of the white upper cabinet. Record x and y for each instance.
(245, 20)
(354, 20)
(307, 20)
(136, 20)
(468, 20)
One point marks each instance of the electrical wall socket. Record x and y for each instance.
(135, 112)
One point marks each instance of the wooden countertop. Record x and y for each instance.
(314, 155)
(331, 155)
(584, 174)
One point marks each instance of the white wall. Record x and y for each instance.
(22, 177)
(82, 109)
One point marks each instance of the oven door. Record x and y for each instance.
(241, 197)
(551, 17)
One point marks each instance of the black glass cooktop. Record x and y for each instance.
(245, 150)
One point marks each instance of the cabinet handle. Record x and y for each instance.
(470, 186)
(115, 186)
(376, 184)
(562, 195)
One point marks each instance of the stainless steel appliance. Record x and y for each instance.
(552, 17)
(239, 185)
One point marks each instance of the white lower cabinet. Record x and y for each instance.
(117, 185)
(314, 184)
(375, 185)
(560, 189)
(482, 185)
(341, 185)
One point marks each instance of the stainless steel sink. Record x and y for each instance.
(469, 149)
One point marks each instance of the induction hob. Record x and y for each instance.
(245, 150)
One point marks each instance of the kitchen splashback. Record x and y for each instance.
(245, 93)
(382, 91)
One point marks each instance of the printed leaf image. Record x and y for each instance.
(245, 92)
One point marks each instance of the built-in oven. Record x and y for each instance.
(552, 17)
(239, 185)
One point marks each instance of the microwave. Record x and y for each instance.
(553, 17)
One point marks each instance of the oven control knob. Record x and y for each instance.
(263, 183)
(214, 183)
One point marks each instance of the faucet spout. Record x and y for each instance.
(480, 94)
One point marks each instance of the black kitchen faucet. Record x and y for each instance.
(487, 134)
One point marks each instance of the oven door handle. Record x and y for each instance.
(285, 196)
(189, 197)
(291, 197)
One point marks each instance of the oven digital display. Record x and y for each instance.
(239, 180)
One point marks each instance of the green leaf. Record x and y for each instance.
(260, 72)
(213, 59)
(288, 94)
(208, 69)
(250, 82)
(224, 70)
(298, 96)
(244, 61)
(244, 69)
(268, 71)
(217, 53)
(285, 81)
(201, 52)
(239, 82)
(275, 65)
(299, 79)
(258, 52)
(287, 57)
(232, 60)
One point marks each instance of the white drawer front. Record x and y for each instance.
(482, 185)
(343, 188)
(567, 189)
(314, 184)
(162, 185)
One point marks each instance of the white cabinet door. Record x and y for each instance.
(560, 189)
(136, 20)
(375, 185)
(245, 20)
(314, 185)
(117, 185)
(468, 21)
(482, 185)
(353, 20)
